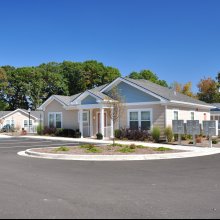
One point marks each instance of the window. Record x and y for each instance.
(85, 116)
(10, 122)
(134, 120)
(175, 115)
(55, 120)
(192, 116)
(139, 119)
(145, 120)
(212, 117)
(26, 122)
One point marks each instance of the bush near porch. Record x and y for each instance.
(60, 132)
(136, 135)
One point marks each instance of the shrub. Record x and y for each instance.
(169, 134)
(49, 130)
(118, 133)
(156, 134)
(77, 134)
(162, 149)
(215, 141)
(99, 136)
(199, 139)
(40, 129)
(132, 146)
(137, 135)
(94, 150)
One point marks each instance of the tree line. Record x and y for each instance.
(26, 87)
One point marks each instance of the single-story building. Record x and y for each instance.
(147, 105)
(215, 114)
(19, 119)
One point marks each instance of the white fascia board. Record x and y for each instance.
(115, 82)
(192, 104)
(135, 86)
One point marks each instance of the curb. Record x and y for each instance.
(31, 153)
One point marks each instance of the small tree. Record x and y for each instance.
(116, 107)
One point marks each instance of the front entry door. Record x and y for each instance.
(86, 127)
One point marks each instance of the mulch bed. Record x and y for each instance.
(106, 150)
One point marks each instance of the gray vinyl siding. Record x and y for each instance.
(131, 95)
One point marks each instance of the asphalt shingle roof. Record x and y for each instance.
(165, 92)
(33, 113)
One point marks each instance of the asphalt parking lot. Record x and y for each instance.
(41, 188)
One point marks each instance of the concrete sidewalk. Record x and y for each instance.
(189, 151)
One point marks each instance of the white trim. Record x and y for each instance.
(194, 104)
(135, 86)
(97, 121)
(165, 119)
(139, 116)
(91, 122)
(54, 113)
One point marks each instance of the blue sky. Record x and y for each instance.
(179, 40)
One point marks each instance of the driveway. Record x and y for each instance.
(39, 188)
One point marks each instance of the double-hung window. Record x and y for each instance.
(26, 123)
(139, 119)
(10, 122)
(134, 122)
(55, 120)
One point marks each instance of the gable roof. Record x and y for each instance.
(34, 114)
(163, 93)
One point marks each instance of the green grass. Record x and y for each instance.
(117, 145)
(62, 149)
(90, 148)
(162, 149)
(126, 150)
(94, 150)
(87, 146)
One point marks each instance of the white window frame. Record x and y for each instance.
(54, 115)
(139, 116)
(10, 122)
(28, 122)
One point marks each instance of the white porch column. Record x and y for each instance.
(81, 122)
(112, 124)
(91, 122)
(102, 124)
